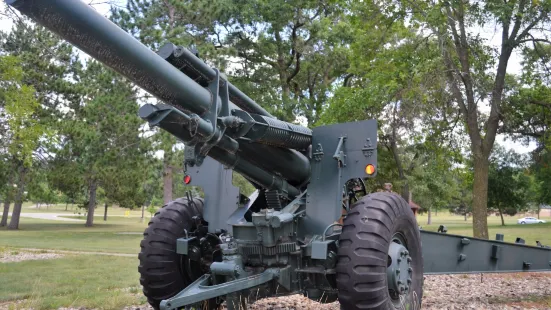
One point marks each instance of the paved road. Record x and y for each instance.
(48, 216)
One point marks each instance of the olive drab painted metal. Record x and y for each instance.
(299, 231)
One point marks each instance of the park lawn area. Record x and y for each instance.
(106, 282)
(117, 235)
(29, 207)
(458, 226)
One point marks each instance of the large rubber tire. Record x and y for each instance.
(161, 273)
(368, 229)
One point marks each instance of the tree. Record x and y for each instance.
(63, 176)
(391, 78)
(461, 204)
(6, 186)
(20, 105)
(542, 178)
(471, 72)
(528, 117)
(151, 210)
(284, 55)
(100, 138)
(434, 182)
(508, 184)
(39, 189)
(42, 86)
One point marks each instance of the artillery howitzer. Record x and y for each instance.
(290, 235)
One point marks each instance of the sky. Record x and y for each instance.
(489, 33)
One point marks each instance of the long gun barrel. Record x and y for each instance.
(238, 133)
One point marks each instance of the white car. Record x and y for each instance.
(529, 220)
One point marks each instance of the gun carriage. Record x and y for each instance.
(290, 235)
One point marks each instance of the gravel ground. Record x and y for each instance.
(10, 256)
(448, 292)
(442, 292)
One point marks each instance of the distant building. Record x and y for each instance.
(414, 207)
(387, 187)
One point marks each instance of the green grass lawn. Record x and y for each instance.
(111, 282)
(111, 236)
(90, 281)
(458, 226)
(30, 207)
(108, 236)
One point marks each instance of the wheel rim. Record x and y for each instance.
(399, 270)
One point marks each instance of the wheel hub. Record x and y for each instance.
(399, 269)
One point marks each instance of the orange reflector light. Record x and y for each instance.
(370, 169)
(187, 179)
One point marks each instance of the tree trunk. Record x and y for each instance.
(539, 211)
(105, 213)
(66, 205)
(4, 221)
(429, 219)
(398, 161)
(480, 197)
(167, 183)
(501, 215)
(14, 222)
(465, 216)
(7, 201)
(91, 203)
(143, 212)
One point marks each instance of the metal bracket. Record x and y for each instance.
(318, 154)
(319, 248)
(339, 153)
(368, 148)
(182, 245)
(217, 110)
(201, 290)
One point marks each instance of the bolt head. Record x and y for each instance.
(398, 260)
(410, 269)
(397, 271)
(409, 259)
(409, 281)
(399, 282)
(406, 252)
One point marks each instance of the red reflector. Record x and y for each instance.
(187, 179)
